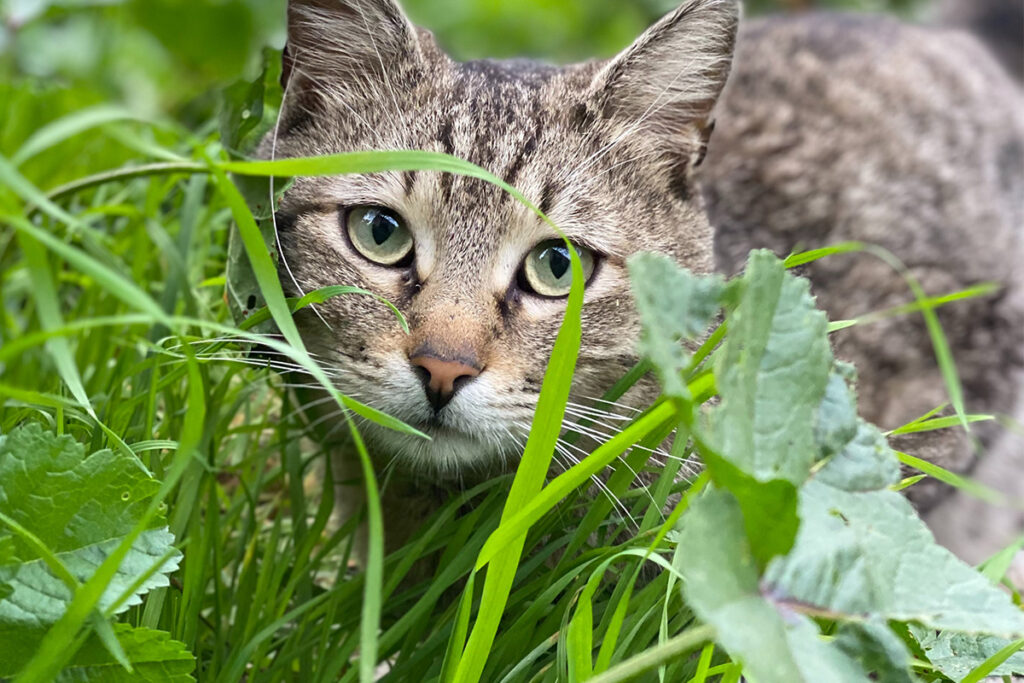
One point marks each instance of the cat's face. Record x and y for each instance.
(605, 149)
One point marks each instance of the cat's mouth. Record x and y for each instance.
(436, 429)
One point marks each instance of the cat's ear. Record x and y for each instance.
(667, 82)
(341, 41)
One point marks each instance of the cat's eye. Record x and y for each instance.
(379, 234)
(547, 270)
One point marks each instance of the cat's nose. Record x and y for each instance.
(442, 378)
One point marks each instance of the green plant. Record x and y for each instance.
(122, 372)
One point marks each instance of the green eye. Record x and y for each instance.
(379, 234)
(547, 270)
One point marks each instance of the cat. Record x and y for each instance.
(620, 154)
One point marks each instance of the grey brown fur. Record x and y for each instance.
(832, 128)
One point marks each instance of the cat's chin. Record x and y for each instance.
(449, 453)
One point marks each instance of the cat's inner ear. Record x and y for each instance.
(332, 43)
(667, 82)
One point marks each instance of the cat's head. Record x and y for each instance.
(606, 149)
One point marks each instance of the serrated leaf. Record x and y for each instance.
(865, 463)
(66, 499)
(775, 644)
(868, 554)
(772, 374)
(80, 508)
(957, 654)
(836, 422)
(675, 307)
(153, 655)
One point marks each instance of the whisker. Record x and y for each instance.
(613, 403)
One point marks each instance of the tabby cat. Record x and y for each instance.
(831, 128)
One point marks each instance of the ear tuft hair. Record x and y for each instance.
(668, 81)
(336, 41)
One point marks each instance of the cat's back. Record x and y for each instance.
(853, 126)
(849, 127)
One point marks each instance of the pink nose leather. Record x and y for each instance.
(443, 374)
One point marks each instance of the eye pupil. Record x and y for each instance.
(559, 262)
(382, 227)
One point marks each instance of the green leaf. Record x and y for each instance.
(836, 422)
(878, 649)
(769, 508)
(244, 116)
(772, 374)
(868, 554)
(775, 644)
(958, 654)
(79, 509)
(153, 656)
(866, 463)
(675, 306)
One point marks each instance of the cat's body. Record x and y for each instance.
(841, 127)
(810, 149)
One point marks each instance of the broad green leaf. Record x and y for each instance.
(771, 374)
(769, 508)
(836, 422)
(866, 463)
(79, 509)
(958, 654)
(868, 554)
(675, 309)
(153, 655)
(774, 643)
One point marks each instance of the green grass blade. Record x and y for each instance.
(805, 257)
(995, 568)
(68, 126)
(530, 475)
(517, 523)
(940, 343)
(114, 283)
(657, 655)
(938, 423)
(979, 491)
(48, 309)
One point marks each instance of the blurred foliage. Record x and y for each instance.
(169, 56)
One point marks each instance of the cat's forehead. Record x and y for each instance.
(524, 122)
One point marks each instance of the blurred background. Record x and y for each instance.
(168, 57)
